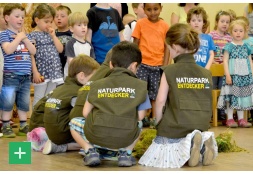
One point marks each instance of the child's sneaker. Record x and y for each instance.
(195, 150)
(244, 123)
(91, 158)
(152, 123)
(8, 132)
(146, 122)
(231, 123)
(1, 134)
(23, 130)
(50, 147)
(125, 160)
(208, 152)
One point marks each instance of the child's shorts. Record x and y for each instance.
(152, 75)
(16, 88)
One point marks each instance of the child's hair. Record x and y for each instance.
(125, 53)
(42, 10)
(198, 11)
(63, 7)
(218, 15)
(250, 8)
(147, 3)
(82, 63)
(128, 18)
(135, 5)
(77, 18)
(12, 6)
(241, 23)
(232, 14)
(108, 56)
(184, 4)
(183, 35)
(245, 19)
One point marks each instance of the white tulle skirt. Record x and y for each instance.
(172, 153)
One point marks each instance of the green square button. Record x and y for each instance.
(20, 153)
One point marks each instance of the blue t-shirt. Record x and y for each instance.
(203, 54)
(249, 41)
(105, 25)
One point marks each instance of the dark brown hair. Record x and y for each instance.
(218, 15)
(63, 7)
(12, 6)
(183, 35)
(42, 10)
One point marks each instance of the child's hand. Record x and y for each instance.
(37, 78)
(20, 35)
(51, 31)
(228, 80)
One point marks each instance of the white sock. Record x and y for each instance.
(240, 115)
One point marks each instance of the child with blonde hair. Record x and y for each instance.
(183, 114)
(197, 18)
(77, 44)
(237, 86)
(47, 72)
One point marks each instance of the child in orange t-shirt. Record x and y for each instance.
(149, 34)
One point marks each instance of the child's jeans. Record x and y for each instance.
(16, 88)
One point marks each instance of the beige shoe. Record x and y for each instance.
(195, 150)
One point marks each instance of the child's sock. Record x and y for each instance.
(129, 152)
(6, 123)
(240, 115)
(22, 123)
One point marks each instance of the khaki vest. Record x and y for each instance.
(57, 109)
(189, 101)
(77, 111)
(113, 120)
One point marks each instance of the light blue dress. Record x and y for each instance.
(240, 93)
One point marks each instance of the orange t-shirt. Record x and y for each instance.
(152, 38)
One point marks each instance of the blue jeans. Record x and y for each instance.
(16, 88)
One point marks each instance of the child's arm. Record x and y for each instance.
(10, 47)
(166, 55)
(121, 36)
(57, 42)
(36, 74)
(69, 59)
(137, 41)
(142, 114)
(251, 64)
(161, 98)
(87, 108)
(89, 35)
(226, 70)
(210, 61)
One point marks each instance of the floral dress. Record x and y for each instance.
(47, 57)
(239, 95)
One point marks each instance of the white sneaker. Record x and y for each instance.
(1, 134)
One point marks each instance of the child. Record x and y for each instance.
(232, 14)
(16, 47)
(47, 58)
(197, 18)
(61, 101)
(62, 31)
(248, 13)
(149, 34)
(113, 126)
(183, 107)
(102, 72)
(237, 85)
(104, 29)
(77, 45)
(3, 27)
(220, 37)
(129, 27)
(128, 18)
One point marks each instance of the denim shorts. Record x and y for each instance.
(16, 88)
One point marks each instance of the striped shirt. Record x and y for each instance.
(19, 61)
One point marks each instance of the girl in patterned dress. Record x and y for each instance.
(47, 57)
(183, 107)
(237, 86)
